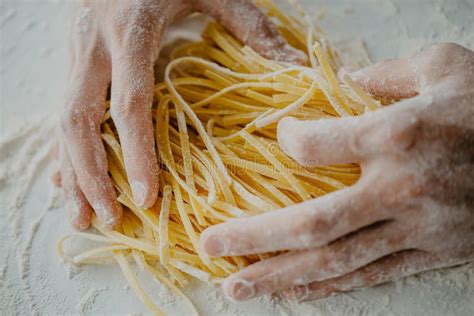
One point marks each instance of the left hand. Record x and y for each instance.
(412, 209)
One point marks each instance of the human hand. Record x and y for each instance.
(412, 209)
(119, 42)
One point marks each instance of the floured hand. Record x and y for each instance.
(119, 42)
(412, 209)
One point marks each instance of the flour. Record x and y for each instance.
(219, 302)
(24, 256)
(32, 280)
(88, 300)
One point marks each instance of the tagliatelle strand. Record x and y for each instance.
(163, 231)
(132, 280)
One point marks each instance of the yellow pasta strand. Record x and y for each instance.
(132, 280)
(163, 232)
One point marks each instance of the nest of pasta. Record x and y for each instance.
(215, 117)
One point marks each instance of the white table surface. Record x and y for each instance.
(33, 68)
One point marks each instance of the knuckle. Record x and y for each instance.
(93, 56)
(78, 115)
(444, 58)
(405, 134)
(71, 118)
(132, 21)
(312, 230)
(130, 105)
(405, 189)
(441, 61)
(445, 50)
(384, 190)
(306, 232)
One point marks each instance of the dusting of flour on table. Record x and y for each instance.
(88, 301)
(33, 71)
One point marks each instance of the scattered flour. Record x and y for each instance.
(125, 288)
(87, 301)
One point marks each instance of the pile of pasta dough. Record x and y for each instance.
(215, 116)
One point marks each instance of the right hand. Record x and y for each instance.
(119, 42)
(412, 209)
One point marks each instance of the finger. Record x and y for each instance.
(405, 78)
(79, 209)
(389, 268)
(352, 139)
(309, 224)
(253, 28)
(301, 267)
(80, 126)
(328, 141)
(132, 97)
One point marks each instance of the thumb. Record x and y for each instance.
(252, 27)
(391, 79)
(351, 139)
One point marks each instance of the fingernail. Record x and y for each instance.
(239, 290)
(111, 218)
(298, 293)
(211, 245)
(139, 191)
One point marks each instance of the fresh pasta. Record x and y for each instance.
(215, 115)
